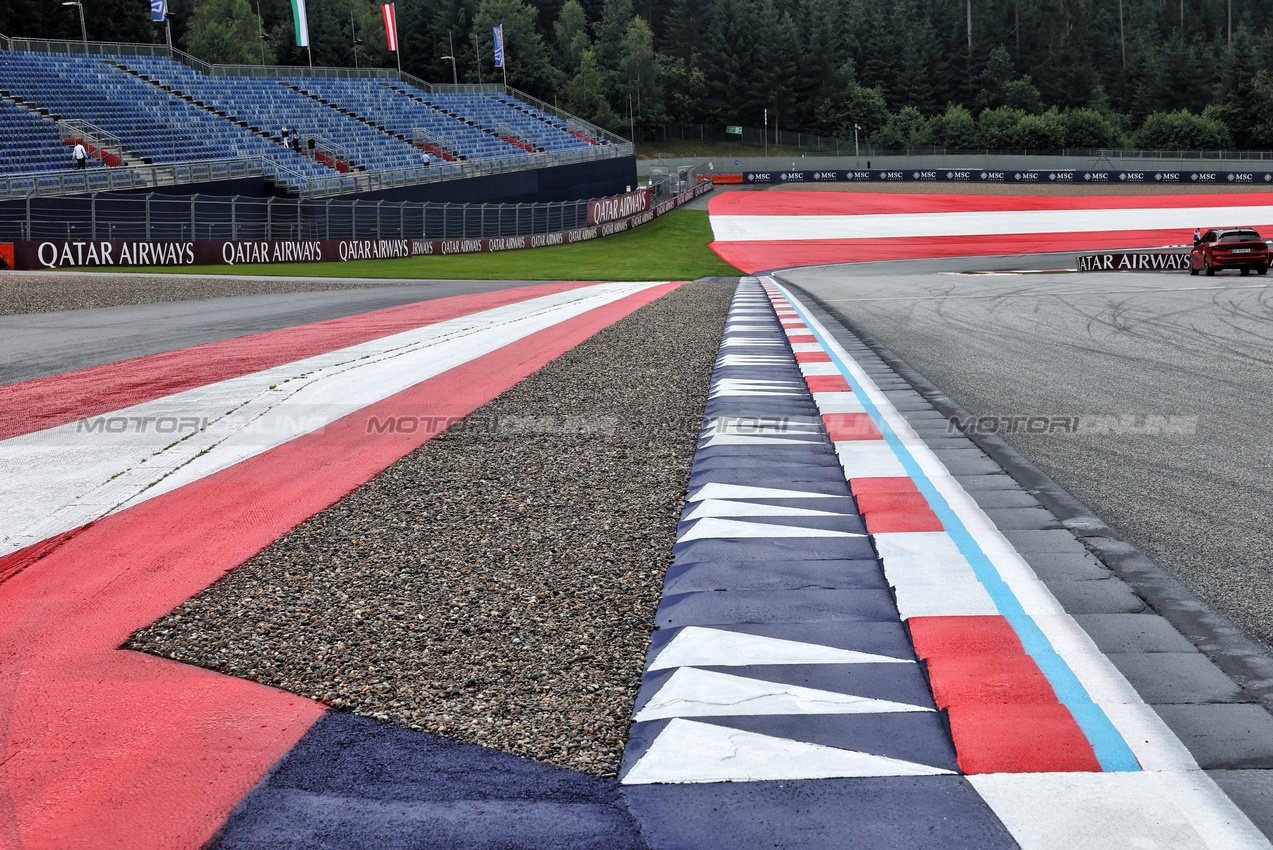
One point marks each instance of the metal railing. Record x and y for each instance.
(667, 184)
(443, 143)
(155, 217)
(102, 179)
(105, 141)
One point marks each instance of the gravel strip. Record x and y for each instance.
(498, 585)
(45, 292)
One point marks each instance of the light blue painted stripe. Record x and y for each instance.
(1112, 752)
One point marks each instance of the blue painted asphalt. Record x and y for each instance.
(354, 783)
(742, 570)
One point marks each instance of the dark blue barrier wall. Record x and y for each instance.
(575, 182)
(246, 187)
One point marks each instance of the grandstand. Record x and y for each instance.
(151, 113)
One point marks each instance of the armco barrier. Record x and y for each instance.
(987, 175)
(101, 253)
(1135, 262)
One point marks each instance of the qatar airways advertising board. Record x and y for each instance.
(606, 217)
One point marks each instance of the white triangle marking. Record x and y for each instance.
(728, 508)
(695, 646)
(691, 692)
(761, 440)
(711, 528)
(746, 491)
(687, 751)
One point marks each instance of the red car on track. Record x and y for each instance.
(1229, 248)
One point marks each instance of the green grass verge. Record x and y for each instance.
(672, 247)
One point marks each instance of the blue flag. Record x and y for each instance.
(499, 46)
(158, 8)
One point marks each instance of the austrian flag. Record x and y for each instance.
(391, 26)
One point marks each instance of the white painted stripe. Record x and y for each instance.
(808, 369)
(943, 600)
(687, 751)
(712, 528)
(1115, 811)
(842, 402)
(786, 228)
(695, 646)
(868, 459)
(922, 557)
(691, 692)
(54, 480)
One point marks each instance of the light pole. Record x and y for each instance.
(353, 33)
(455, 77)
(856, 151)
(260, 32)
(83, 29)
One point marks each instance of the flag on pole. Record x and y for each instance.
(158, 8)
(391, 26)
(302, 23)
(499, 46)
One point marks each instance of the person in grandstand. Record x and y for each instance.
(283, 134)
(426, 159)
(80, 155)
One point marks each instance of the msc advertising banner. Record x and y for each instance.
(977, 175)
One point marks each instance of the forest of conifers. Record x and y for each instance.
(1000, 74)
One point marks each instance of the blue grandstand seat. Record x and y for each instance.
(166, 112)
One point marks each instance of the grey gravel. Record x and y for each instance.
(46, 292)
(498, 585)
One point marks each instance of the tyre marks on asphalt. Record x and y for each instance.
(1013, 700)
(125, 749)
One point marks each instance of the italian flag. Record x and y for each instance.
(302, 23)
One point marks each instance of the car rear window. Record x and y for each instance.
(1239, 236)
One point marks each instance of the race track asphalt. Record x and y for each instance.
(40, 344)
(1059, 352)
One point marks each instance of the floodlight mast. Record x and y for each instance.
(83, 28)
